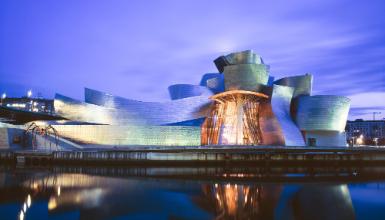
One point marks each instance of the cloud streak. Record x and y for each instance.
(136, 49)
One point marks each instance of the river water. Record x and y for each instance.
(190, 193)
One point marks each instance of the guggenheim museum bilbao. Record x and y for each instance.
(239, 105)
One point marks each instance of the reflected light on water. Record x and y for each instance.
(52, 203)
(29, 200)
(21, 215)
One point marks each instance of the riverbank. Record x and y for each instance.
(195, 156)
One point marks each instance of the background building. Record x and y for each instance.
(366, 132)
(29, 104)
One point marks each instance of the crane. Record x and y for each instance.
(374, 115)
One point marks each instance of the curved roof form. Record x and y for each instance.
(245, 77)
(243, 57)
(181, 91)
(302, 84)
(153, 113)
(238, 92)
(75, 110)
(322, 113)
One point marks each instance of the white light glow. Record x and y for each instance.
(21, 216)
(29, 94)
(29, 201)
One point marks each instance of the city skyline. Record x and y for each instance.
(64, 47)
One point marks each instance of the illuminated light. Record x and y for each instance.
(360, 140)
(21, 215)
(29, 93)
(58, 191)
(4, 96)
(233, 119)
(25, 207)
(216, 185)
(29, 201)
(52, 204)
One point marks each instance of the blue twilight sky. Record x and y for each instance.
(136, 48)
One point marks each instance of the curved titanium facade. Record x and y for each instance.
(116, 135)
(213, 81)
(302, 84)
(181, 91)
(244, 57)
(327, 113)
(153, 113)
(245, 77)
(79, 111)
(280, 102)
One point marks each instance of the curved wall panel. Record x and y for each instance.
(116, 135)
(302, 84)
(243, 57)
(245, 77)
(153, 113)
(181, 91)
(280, 102)
(213, 81)
(328, 113)
(79, 111)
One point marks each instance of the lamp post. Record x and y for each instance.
(3, 96)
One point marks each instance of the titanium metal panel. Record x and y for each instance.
(280, 102)
(83, 112)
(115, 135)
(153, 113)
(181, 91)
(248, 77)
(213, 81)
(302, 84)
(243, 57)
(322, 113)
(220, 63)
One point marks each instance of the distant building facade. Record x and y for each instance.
(370, 131)
(38, 105)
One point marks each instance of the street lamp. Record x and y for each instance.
(29, 94)
(375, 141)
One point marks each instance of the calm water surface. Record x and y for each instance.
(119, 194)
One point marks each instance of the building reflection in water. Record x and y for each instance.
(272, 201)
(97, 197)
(234, 201)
